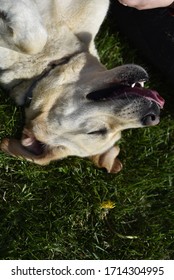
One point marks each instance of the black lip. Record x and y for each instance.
(121, 90)
(106, 93)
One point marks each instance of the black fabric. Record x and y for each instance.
(151, 31)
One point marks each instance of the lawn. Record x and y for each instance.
(72, 210)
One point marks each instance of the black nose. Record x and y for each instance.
(150, 119)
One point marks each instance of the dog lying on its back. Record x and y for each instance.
(74, 105)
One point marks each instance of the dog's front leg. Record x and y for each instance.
(108, 160)
(21, 27)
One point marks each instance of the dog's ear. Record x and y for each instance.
(15, 148)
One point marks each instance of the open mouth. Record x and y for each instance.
(117, 91)
(149, 94)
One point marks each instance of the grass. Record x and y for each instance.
(72, 210)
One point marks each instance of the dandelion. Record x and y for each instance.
(105, 207)
(107, 204)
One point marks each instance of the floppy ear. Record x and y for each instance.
(15, 148)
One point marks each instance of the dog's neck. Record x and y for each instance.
(73, 65)
(46, 71)
(20, 66)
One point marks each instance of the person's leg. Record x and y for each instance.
(151, 31)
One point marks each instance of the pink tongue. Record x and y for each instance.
(154, 96)
(149, 94)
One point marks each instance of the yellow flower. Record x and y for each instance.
(107, 205)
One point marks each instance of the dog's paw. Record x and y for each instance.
(108, 160)
(116, 167)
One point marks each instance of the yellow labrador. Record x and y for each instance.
(74, 105)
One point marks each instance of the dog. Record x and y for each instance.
(74, 106)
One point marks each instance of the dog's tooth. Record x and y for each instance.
(142, 83)
(133, 85)
(138, 84)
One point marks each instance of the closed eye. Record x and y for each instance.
(101, 131)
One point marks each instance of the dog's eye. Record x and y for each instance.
(101, 131)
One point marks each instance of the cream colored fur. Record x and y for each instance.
(35, 35)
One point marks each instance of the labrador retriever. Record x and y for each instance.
(74, 106)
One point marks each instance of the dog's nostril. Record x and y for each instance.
(150, 119)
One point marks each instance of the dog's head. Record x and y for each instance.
(80, 109)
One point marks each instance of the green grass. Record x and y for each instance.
(58, 211)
